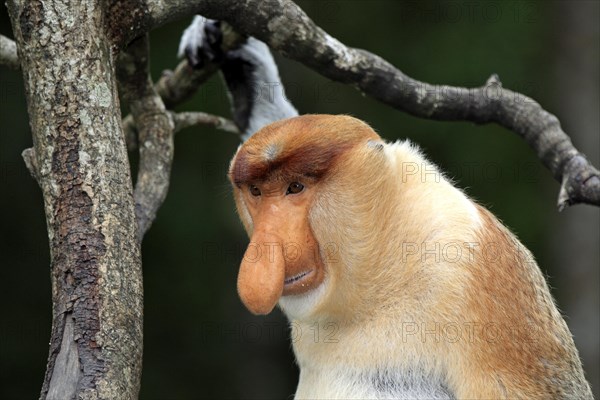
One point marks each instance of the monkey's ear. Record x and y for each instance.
(201, 42)
(375, 144)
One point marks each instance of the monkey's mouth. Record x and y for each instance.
(296, 278)
(298, 283)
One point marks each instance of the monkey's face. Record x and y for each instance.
(283, 256)
(277, 176)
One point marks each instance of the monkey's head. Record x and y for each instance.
(297, 184)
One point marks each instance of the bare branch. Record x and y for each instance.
(8, 53)
(175, 87)
(130, 132)
(187, 119)
(155, 129)
(286, 28)
(181, 121)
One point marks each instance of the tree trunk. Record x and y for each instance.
(81, 164)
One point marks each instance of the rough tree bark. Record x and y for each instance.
(155, 132)
(81, 164)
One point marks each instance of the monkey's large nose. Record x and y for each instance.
(262, 272)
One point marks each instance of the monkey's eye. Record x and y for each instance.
(254, 190)
(295, 187)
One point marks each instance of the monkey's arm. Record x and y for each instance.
(255, 90)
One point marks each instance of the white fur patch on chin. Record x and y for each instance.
(301, 306)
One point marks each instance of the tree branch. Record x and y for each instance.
(175, 87)
(8, 53)
(181, 121)
(187, 119)
(286, 28)
(155, 130)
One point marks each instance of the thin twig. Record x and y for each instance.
(187, 119)
(181, 121)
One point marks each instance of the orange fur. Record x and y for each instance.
(423, 292)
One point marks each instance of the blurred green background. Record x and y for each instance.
(199, 340)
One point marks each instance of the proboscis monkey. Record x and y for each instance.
(415, 290)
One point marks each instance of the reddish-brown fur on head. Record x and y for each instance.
(302, 146)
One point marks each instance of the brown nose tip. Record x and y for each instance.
(262, 272)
